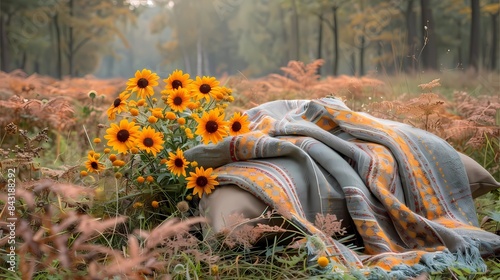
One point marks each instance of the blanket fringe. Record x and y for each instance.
(468, 259)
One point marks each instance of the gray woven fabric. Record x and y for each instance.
(406, 190)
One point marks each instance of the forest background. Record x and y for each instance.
(252, 38)
(432, 64)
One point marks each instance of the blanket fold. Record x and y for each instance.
(405, 190)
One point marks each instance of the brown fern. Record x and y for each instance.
(49, 232)
(56, 113)
(427, 111)
(479, 121)
(301, 81)
(329, 224)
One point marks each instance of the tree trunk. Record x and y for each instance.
(206, 64)
(475, 36)
(494, 40)
(70, 40)
(429, 52)
(187, 61)
(295, 32)
(36, 66)
(336, 42)
(320, 39)
(362, 45)
(110, 65)
(353, 63)
(379, 65)
(412, 38)
(198, 56)
(484, 50)
(362, 55)
(24, 60)
(460, 51)
(4, 56)
(285, 37)
(59, 46)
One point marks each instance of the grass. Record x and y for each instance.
(59, 208)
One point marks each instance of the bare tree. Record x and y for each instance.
(429, 52)
(475, 36)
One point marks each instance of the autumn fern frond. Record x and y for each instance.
(301, 81)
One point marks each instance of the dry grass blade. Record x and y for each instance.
(69, 192)
(91, 227)
(133, 247)
(167, 229)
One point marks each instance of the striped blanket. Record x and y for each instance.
(404, 190)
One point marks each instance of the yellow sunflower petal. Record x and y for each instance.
(177, 80)
(211, 126)
(201, 181)
(150, 141)
(143, 83)
(123, 136)
(179, 99)
(238, 124)
(205, 87)
(177, 163)
(93, 165)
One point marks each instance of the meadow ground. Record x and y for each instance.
(66, 215)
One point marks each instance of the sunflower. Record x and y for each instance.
(119, 105)
(211, 126)
(202, 181)
(177, 163)
(238, 124)
(143, 83)
(205, 87)
(178, 99)
(122, 137)
(93, 165)
(177, 80)
(150, 141)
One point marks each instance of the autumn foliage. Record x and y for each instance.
(301, 81)
(69, 226)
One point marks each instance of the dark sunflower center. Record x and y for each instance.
(179, 162)
(176, 84)
(148, 142)
(201, 181)
(94, 165)
(236, 126)
(117, 102)
(205, 88)
(177, 100)
(122, 135)
(211, 126)
(142, 83)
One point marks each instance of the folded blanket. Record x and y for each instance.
(405, 190)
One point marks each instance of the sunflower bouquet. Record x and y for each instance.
(150, 132)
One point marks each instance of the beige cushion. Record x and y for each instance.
(229, 200)
(480, 180)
